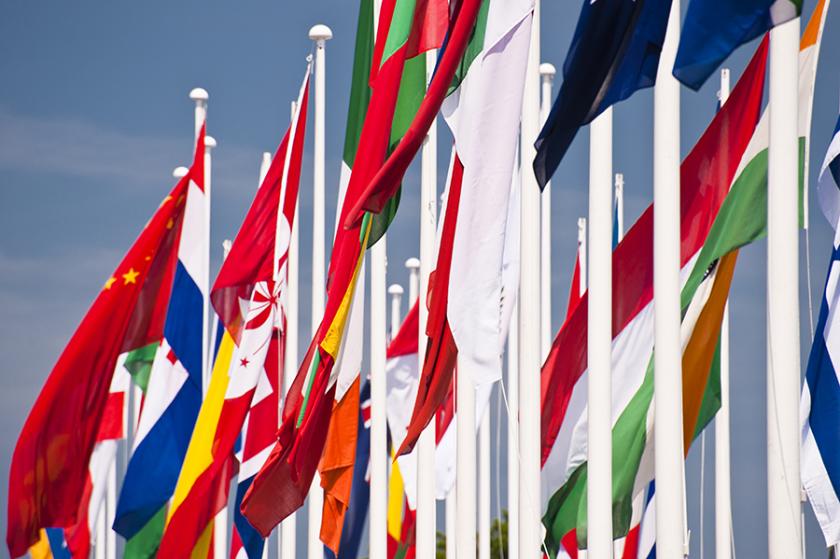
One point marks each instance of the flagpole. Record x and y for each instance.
(513, 410)
(669, 462)
(449, 505)
(723, 503)
(783, 374)
(465, 478)
(484, 485)
(426, 505)
(378, 395)
(529, 308)
(413, 266)
(287, 544)
(619, 206)
(200, 97)
(547, 72)
(396, 291)
(320, 34)
(599, 343)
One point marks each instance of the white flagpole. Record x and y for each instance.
(413, 266)
(484, 485)
(783, 375)
(530, 527)
(287, 543)
(378, 395)
(200, 96)
(723, 504)
(396, 292)
(465, 478)
(450, 524)
(513, 409)
(547, 72)
(265, 162)
(426, 505)
(599, 344)
(619, 205)
(584, 277)
(320, 34)
(668, 436)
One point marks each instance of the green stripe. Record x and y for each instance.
(138, 362)
(146, 542)
(400, 28)
(313, 369)
(474, 46)
(359, 89)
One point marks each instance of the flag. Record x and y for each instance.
(578, 287)
(356, 515)
(713, 29)
(713, 225)
(405, 30)
(62, 427)
(614, 52)
(249, 387)
(820, 454)
(174, 390)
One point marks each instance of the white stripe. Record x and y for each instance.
(815, 479)
(192, 250)
(165, 381)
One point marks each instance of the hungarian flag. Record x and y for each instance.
(49, 468)
(257, 262)
(614, 52)
(405, 30)
(713, 29)
(578, 287)
(710, 234)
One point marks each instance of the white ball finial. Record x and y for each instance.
(199, 94)
(547, 70)
(395, 289)
(320, 32)
(209, 142)
(412, 263)
(180, 172)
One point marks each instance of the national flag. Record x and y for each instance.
(249, 387)
(174, 391)
(578, 287)
(62, 427)
(357, 512)
(614, 52)
(713, 29)
(712, 227)
(405, 30)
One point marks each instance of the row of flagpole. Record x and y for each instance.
(529, 340)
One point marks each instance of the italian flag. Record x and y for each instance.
(706, 238)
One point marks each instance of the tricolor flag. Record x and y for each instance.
(173, 394)
(713, 225)
(713, 29)
(614, 53)
(405, 31)
(63, 427)
(248, 296)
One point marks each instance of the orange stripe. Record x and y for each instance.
(812, 31)
(698, 354)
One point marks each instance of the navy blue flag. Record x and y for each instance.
(354, 519)
(714, 28)
(615, 52)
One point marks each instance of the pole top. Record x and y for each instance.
(412, 264)
(320, 32)
(619, 179)
(547, 70)
(395, 289)
(199, 94)
(180, 172)
(209, 142)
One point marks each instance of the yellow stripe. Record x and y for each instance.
(41, 548)
(202, 546)
(200, 452)
(396, 498)
(332, 340)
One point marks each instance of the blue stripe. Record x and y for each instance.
(184, 323)
(154, 467)
(58, 545)
(821, 378)
(252, 541)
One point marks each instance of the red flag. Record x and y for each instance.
(49, 469)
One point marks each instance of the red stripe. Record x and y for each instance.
(705, 177)
(406, 340)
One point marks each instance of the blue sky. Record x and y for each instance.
(94, 115)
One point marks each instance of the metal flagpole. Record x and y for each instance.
(783, 375)
(426, 513)
(465, 478)
(413, 266)
(396, 292)
(619, 206)
(513, 411)
(484, 485)
(669, 463)
(529, 307)
(320, 34)
(547, 72)
(723, 504)
(378, 425)
(200, 96)
(599, 343)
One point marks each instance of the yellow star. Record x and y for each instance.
(130, 276)
(165, 200)
(110, 282)
(170, 223)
